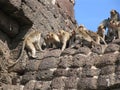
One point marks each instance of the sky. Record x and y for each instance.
(91, 12)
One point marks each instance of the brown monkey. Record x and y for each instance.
(31, 42)
(96, 37)
(81, 27)
(51, 40)
(101, 31)
(82, 35)
(64, 37)
(114, 15)
(89, 36)
(115, 25)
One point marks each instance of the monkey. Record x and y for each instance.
(52, 40)
(32, 43)
(96, 37)
(47, 41)
(89, 36)
(114, 15)
(112, 32)
(64, 37)
(115, 25)
(101, 31)
(81, 27)
(81, 36)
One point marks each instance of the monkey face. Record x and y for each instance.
(61, 33)
(113, 12)
(101, 27)
(81, 27)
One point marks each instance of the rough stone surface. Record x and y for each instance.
(87, 84)
(105, 81)
(107, 70)
(58, 83)
(45, 75)
(78, 60)
(60, 72)
(112, 48)
(65, 62)
(90, 72)
(48, 63)
(106, 59)
(71, 83)
(28, 76)
(97, 49)
(68, 51)
(78, 67)
(83, 50)
(42, 85)
(33, 65)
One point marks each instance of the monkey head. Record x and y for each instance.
(113, 12)
(100, 27)
(61, 33)
(82, 27)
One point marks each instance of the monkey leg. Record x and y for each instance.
(38, 46)
(32, 49)
(64, 45)
(98, 40)
(118, 34)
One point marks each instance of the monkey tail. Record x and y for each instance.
(21, 53)
(103, 40)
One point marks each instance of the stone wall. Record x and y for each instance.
(76, 68)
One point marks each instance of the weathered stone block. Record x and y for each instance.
(28, 76)
(78, 60)
(83, 50)
(112, 48)
(48, 63)
(45, 75)
(5, 78)
(65, 61)
(30, 85)
(72, 72)
(106, 59)
(42, 85)
(88, 71)
(91, 59)
(60, 72)
(58, 83)
(105, 81)
(12, 87)
(71, 83)
(116, 41)
(107, 70)
(32, 65)
(68, 51)
(52, 53)
(87, 84)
